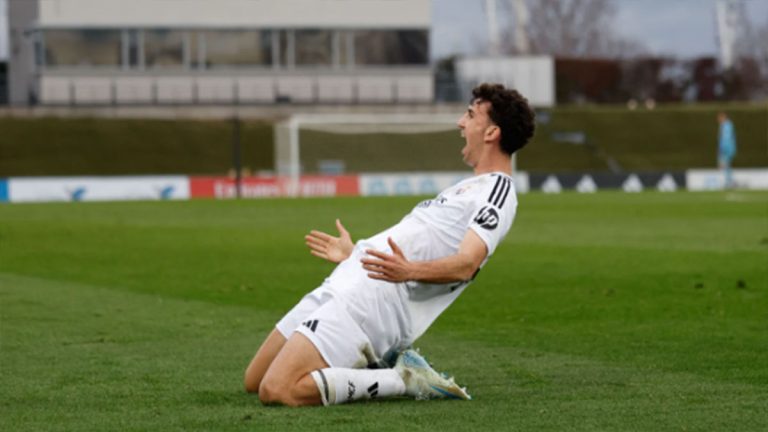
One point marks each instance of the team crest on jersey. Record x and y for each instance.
(462, 189)
(487, 218)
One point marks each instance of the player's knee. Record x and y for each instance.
(252, 379)
(272, 392)
(251, 385)
(267, 392)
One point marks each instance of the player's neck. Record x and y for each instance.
(502, 164)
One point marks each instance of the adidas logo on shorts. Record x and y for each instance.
(311, 324)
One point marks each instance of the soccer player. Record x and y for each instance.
(388, 289)
(726, 148)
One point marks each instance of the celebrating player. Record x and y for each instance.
(388, 289)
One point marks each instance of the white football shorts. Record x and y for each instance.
(325, 321)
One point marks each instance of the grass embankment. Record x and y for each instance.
(676, 138)
(667, 138)
(96, 146)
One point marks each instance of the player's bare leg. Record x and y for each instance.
(298, 375)
(261, 361)
(287, 380)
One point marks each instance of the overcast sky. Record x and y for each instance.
(683, 28)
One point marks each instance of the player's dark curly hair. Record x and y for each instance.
(510, 112)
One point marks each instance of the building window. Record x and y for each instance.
(285, 41)
(133, 50)
(237, 48)
(39, 49)
(313, 48)
(344, 48)
(391, 47)
(197, 47)
(164, 48)
(83, 48)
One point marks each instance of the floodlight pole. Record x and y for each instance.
(294, 170)
(236, 156)
(494, 47)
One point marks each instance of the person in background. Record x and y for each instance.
(726, 148)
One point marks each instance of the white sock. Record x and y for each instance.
(341, 385)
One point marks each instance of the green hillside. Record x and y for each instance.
(668, 138)
(63, 146)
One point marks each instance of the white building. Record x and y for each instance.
(98, 52)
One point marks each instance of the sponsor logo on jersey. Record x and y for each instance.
(487, 218)
(426, 203)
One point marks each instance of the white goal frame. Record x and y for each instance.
(286, 141)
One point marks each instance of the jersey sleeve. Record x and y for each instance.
(494, 211)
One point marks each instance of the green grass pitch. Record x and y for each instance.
(608, 311)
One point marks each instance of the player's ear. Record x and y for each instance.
(492, 133)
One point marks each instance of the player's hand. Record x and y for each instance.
(328, 247)
(386, 267)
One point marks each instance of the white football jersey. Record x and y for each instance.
(434, 229)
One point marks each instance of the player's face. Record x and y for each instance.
(474, 125)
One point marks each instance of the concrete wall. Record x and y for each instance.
(235, 13)
(414, 86)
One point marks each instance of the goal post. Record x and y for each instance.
(350, 131)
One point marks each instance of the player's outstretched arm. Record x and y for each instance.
(328, 247)
(459, 267)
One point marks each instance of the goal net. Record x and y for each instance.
(359, 143)
(356, 143)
